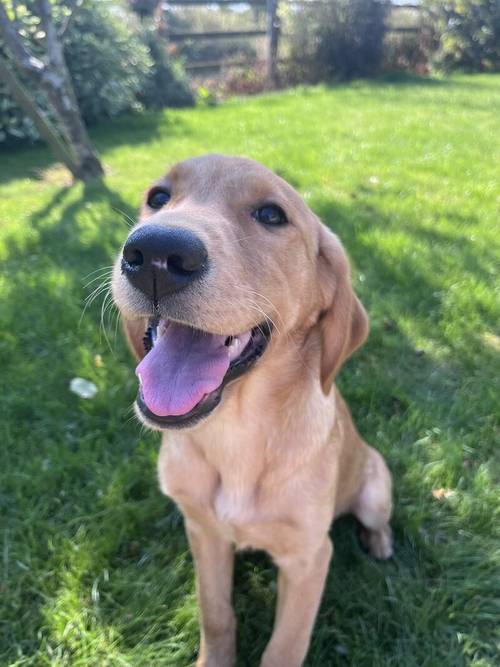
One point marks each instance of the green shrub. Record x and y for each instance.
(109, 63)
(342, 39)
(166, 85)
(409, 48)
(469, 34)
(115, 64)
(14, 125)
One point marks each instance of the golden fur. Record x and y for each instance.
(280, 457)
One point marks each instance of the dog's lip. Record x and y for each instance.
(253, 351)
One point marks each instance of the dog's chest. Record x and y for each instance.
(226, 489)
(233, 513)
(240, 519)
(234, 509)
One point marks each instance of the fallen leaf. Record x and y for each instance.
(492, 340)
(441, 494)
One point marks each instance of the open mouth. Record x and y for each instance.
(184, 372)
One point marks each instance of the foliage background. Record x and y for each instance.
(114, 65)
(118, 63)
(342, 39)
(469, 34)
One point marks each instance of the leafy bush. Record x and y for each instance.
(470, 34)
(229, 81)
(405, 52)
(144, 8)
(115, 64)
(248, 81)
(14, 125)
(341, 39)
(109, 63)
(166, 84)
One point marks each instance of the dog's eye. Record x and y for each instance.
(158, 198)
(270, 214)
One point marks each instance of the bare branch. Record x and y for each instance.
(14, 42)
(73, 7)
(54, 50)
(45, 13)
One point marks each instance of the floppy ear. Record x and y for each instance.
(343, 322)
(134, 333)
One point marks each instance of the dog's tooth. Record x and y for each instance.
(234, 348)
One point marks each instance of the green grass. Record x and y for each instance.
(95, 568)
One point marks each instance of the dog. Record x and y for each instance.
(237, 302)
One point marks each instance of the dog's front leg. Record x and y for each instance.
(214, 559)
(301, 578)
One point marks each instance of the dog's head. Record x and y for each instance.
(225, 263)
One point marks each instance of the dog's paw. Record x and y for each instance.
(378, 543)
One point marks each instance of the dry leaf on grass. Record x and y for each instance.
(441, 494)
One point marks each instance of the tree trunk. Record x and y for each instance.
(56, 81)
(42, 124)
(67, 110)
(272, 43)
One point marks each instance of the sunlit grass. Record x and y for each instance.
(95, 568)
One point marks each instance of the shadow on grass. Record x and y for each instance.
(138, 128)
(129, 128)
(414, 404)
(407, 80)
(58, 446)
(114, 556)
(399, 79)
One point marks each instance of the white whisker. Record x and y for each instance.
(117, 321)
(127, 218)
(107, 274)
(106, 304)
(252, 292)
(101, 268)
(93, 296)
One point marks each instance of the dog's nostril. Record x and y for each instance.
(179, 265)
(133, 256)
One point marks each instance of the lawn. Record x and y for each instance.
(95, 568)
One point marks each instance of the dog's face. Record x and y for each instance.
(225, 261)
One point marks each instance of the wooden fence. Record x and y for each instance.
(272, 32)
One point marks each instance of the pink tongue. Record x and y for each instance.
(183, 366)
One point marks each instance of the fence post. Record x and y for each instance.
(272, 43)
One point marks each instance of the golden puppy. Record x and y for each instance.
(246, 301)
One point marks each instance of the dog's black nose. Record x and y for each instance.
(161, 260)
